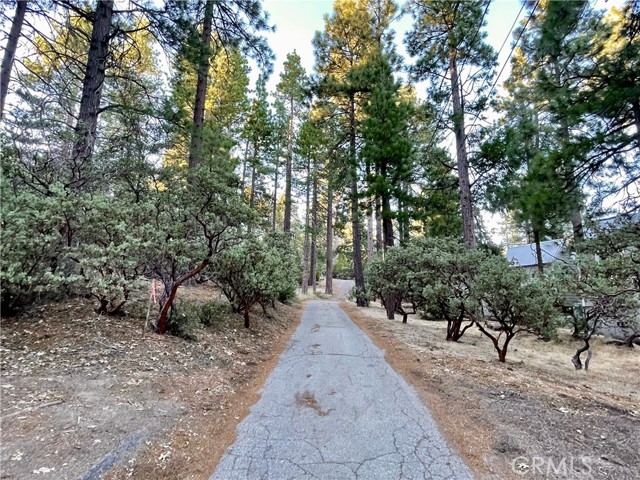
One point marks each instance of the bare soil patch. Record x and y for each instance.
(533, 417)
(86, 396)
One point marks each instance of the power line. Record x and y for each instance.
(515, 44)
(442, 112)
(504, 42)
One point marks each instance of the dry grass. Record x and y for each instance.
(77, 386)
(534, 405)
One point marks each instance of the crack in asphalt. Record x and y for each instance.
(373, 426)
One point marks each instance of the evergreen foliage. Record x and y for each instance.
(257, 271)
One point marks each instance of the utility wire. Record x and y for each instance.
(442, 112)
(515, 44)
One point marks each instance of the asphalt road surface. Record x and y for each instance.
(333, 408)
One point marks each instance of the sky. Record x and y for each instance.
(297, 21)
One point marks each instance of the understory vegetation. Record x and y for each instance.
(446, 281)
(149, 144)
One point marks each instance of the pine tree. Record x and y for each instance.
(342, 50)
(387, 147)
(293, 89)
(447, 36)
(258, 132)
(10, 52)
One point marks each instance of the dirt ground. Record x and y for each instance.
(86, 396)
(533, 417)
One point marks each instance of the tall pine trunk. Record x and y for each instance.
(328, 288)
(636, 120)
(358, 270)
(370, 234)
(573, 189)
(536, 239)
(195, 150)
(252, 195)
(10, 52)
(274, 206)
(387, 222)
(306, 246)
(245, 162)
(87, 124)
(288, 170)
(461, 153)
(378, 212)
(313, 277)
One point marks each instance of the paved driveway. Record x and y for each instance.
(333, 408)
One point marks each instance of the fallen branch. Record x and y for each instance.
(31, 409)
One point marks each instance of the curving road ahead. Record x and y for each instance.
(333, 408)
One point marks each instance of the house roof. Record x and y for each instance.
(525, 255)
(618, 220)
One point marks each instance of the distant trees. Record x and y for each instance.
(293, 89)
(387, 147)
(117, 170)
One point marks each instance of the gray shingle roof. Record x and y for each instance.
(525, 255)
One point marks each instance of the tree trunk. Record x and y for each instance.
(378, 225)
(573, 189)
(252, 195)
(577, 362)
(358, 270)
(636, 119)
(195, 150)
(454, 327)
(576, 222)
(387, 223)
(274, 207)
(306, 247)
(314, 231)
(10, 52)
(288, 170)
(245, 162)
(461, 150)
(164, 312)
(536, 239)
(631, 339)
(370, 235)
(92, 84)
(502, 352)
(328, 288)
(390, 305)
(247, 321)
(401, 234)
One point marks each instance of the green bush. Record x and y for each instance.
(433, 275)
(516, 301)
(184, 321)
(448, 281)
(257, 271)
(34, 246)
(211, 313)
(343, 267)
(190, 316)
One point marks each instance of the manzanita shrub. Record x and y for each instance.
(257, 271)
